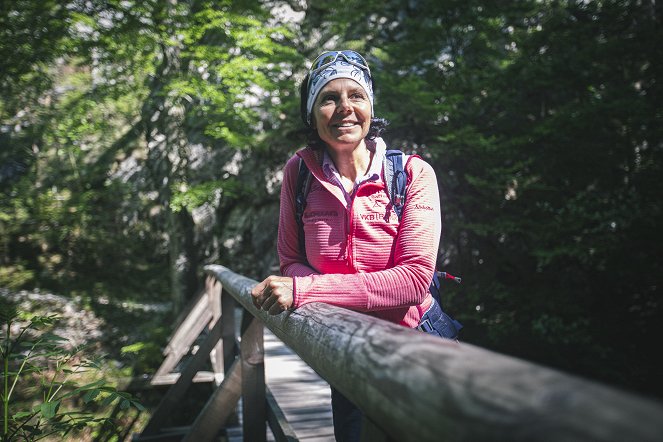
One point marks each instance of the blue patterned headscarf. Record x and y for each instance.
(339, 69)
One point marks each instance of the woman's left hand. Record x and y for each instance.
(274, 294)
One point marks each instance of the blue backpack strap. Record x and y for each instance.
(395, 179)
(301, 192)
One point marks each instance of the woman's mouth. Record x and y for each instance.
(345, 125)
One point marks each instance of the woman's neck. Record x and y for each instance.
(351, 163)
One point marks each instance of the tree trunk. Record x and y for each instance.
(167, 159)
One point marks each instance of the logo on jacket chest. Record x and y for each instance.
(378, 209)
(375, 216)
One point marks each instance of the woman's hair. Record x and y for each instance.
(378, 125)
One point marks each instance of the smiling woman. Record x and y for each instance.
(342, 242)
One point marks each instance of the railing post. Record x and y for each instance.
(229, 340)
(253, 379)
(213, 290)
(228, 305)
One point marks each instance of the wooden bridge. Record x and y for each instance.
(411, 386)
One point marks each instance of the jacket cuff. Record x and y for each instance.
(294, 293)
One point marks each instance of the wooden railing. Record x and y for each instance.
(411, 386)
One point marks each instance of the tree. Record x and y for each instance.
(152, 136)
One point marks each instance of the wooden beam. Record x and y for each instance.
(192, 317)
(213, 290)
(228, 332)
(252, 355)
(170, 402)
(199, 378)
(278, 423)
(186, 334)
(416, 387)
(218, 408)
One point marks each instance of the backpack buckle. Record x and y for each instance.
(425, 326)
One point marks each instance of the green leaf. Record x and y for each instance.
(90, 395)
(108, 400)
(49, 409)
(22, 414)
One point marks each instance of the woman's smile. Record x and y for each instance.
(347, 125)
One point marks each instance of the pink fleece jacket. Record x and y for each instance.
(359, 257)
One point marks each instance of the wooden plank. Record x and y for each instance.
(281, 428)
(185, 335)
(171, 400)
(198, 307)
(218, 408)
(252, 356)
(138, 383)
(416, 387)
(199, 378)
(213, 290)
(302, 395)
(230, 350)
(230, 345)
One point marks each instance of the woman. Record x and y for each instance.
(358, 254)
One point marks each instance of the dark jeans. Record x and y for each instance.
(347, 418)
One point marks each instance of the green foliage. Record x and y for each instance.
(541, 120)
(143, 139)
(16, 276)
(37, 364)
(204, 193)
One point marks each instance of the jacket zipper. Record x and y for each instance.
(349, 227)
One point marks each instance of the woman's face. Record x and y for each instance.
(342, 113)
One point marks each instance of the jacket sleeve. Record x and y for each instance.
(291, 262)
(415, 253)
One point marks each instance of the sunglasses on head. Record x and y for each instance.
(328, 58)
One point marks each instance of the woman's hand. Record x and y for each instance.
(274, 294)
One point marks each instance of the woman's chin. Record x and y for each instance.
(345, 139)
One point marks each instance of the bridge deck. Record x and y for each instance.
(302, 395)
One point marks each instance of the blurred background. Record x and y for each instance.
(140, 140)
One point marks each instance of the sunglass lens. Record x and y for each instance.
(328, 57)
(355, 57)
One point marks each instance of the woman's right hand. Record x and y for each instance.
(274, 294)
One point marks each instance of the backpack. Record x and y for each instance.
(396, 179)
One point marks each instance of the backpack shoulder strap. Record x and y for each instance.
(395, 179)
(301, 192)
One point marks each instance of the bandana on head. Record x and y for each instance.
(340, 69)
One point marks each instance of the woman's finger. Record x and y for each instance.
(276, 309)
(269, 301)
(259, 288)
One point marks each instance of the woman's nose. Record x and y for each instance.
(344, 105)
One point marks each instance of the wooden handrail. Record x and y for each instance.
(415, 387)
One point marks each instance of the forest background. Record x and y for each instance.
(140, 140)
